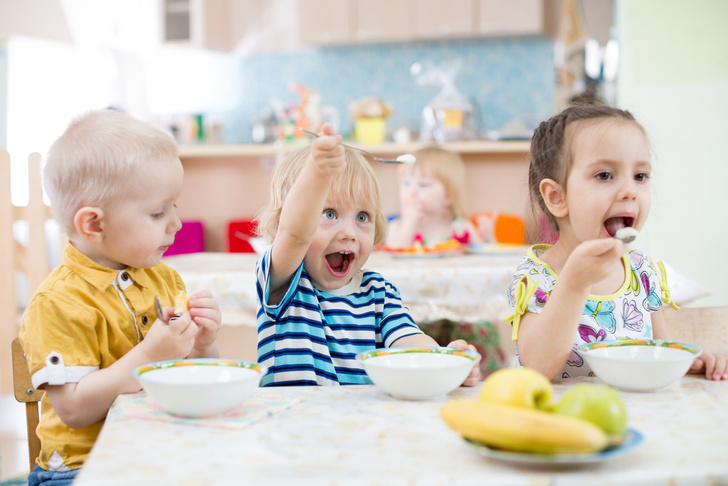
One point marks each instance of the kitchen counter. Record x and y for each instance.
(272, 149)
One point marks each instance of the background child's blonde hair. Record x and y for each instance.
(357, 182)
(91, 162)
(449, 168)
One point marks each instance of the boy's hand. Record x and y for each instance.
(590, 262)
(170, 341)
(714, 367)
(206, 314)
(327, 153)
(474, 376)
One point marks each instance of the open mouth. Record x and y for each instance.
(339, 262)
(613, 224)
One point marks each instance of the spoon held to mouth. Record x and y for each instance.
(626, 234)
(408, 159)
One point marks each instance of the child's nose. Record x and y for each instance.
(628, 190)
(347, 230)
(175, 224)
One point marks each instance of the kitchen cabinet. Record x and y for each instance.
(438, 19)
(229, 182)
(237, 26)
(196, 23)
(382, 21)
(323, 22)
(512, 17)
(366, 21)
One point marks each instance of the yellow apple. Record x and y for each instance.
(519, 387)
(598, 404)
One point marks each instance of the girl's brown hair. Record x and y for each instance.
(357, 182)
(552, 156)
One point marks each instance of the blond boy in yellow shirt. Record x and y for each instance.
(112, 182)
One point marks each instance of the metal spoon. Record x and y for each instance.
(626, 234)
(406, 160)
(160, 312)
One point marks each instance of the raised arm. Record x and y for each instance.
(302, 208)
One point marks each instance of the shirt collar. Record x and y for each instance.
(99, 276)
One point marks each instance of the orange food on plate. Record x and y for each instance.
(181, 302)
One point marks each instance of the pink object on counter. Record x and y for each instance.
(190, 239)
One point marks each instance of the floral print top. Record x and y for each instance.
(624, 314)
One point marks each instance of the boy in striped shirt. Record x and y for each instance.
(317, 307)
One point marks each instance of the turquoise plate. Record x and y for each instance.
(632, 442)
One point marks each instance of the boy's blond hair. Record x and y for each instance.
(357, 182)
(90, 164)
(449, 168)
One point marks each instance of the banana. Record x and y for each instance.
(522, 429)
(520, 387)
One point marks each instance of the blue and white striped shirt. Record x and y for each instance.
(312, 337)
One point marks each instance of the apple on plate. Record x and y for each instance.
(598, 404)
(519, 387)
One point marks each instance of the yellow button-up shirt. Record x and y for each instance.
(82, 318)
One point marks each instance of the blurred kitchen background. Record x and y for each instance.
(225, 73)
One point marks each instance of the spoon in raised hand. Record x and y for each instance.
(408, 159)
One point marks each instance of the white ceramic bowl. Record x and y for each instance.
(199, 387)
(418, 373)
(639, 364)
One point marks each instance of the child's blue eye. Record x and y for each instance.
(328, 214)
(362, 218)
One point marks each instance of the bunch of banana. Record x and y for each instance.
(515, 411)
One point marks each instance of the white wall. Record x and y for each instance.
(674, 78)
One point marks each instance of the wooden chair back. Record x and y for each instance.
(31, 259)
(706, 327)
(25, 393)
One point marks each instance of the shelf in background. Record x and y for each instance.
(258, 150)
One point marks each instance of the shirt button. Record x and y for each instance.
(124, 276)
(145, 320)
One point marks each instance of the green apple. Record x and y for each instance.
(519, 387)
(598, 404)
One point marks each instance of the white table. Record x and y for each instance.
(359, 435)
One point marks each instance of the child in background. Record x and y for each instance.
(590, 175)
(433, 210)
(432, 202)
(317, 307)
(112, 182)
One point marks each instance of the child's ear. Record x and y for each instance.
(87, 222)
(554, 197)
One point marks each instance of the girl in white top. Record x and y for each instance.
(590, 175)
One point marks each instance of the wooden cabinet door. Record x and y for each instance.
(511, 17)
(382, 21)
(324, 22)
(435, 19)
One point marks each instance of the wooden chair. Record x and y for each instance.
(31, 259)
(706, 327)
(25, 393)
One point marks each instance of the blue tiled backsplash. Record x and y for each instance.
(508, 80)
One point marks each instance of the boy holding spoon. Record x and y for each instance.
(317, 306)
(112, 182)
